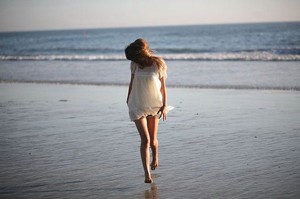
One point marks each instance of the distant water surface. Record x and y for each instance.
(246, 42)
(236, 56)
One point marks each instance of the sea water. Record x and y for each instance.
(257, 56)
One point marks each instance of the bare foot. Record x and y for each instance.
(154, 164)
(148, 180)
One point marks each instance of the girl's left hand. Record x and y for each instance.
(163, 112)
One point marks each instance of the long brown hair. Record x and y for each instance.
(140, 53)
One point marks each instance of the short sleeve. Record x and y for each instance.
(163, 72)
(132, 67)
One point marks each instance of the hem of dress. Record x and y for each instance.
(136, 115)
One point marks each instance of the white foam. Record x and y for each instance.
(238, 56)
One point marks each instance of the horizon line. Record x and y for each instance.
(149, 26)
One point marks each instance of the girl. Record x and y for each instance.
(147, 99)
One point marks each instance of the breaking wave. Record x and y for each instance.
(228, 56)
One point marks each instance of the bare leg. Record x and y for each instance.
(152, 123)
(141, 125)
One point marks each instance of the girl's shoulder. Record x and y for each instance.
(160, 62)
(160, 67)
(133, 66)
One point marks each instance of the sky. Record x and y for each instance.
(20, 15)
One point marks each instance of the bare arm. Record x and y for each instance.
(163, 90)
(130, 87)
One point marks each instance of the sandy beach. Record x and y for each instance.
(76, 141)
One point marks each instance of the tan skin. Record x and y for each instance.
(147, 128)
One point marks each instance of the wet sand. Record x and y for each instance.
(74, 141)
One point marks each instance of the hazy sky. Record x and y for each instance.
(66, 14)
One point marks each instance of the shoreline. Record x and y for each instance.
(200, 87)
(203, 75)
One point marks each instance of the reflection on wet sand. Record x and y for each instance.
(152, 192)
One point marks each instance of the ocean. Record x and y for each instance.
(236, 56)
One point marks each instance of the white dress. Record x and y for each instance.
(145, 98)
